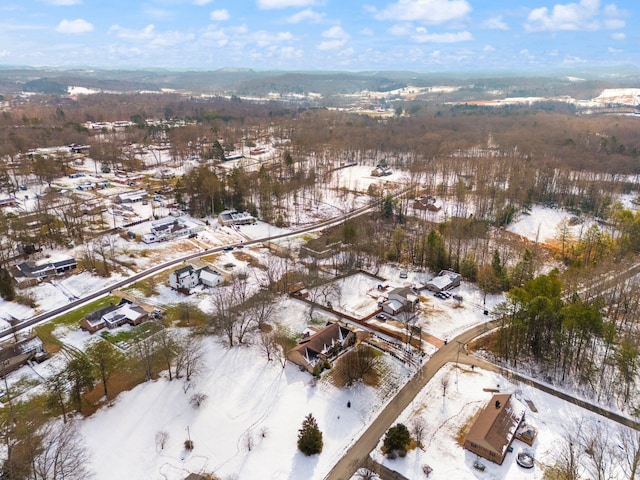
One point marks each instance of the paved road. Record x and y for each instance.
(360, 450)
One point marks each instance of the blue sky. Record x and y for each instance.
(418, 35)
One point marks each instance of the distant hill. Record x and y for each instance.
(247, 82)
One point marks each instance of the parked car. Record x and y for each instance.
(382, 316)
(228, 248)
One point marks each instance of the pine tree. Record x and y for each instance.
(7, 291)
(397, 438)
(309, 437)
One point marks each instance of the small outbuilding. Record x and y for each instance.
(445, 280)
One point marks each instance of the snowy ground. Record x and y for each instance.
(247, 396)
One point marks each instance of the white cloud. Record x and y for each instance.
(495, 23)
(583, 15)
(271, 4)
(307, 15)
(489, 48)
(614, 23)
(219, 15)
(571, 59)
(4, 53)
(618, 36)
(336, 36)
(336, 32)
(447, 37)
(401, 29)
(150, 36)
(201, 3)
(425, 11)
(366, 31)
(64, 3)
(146, 33)
(614, 50)
(74, 26)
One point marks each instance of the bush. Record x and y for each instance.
(397, 438)
(188, 444)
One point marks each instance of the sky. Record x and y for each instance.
(416, 35)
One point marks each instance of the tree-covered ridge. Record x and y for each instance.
(570, 339)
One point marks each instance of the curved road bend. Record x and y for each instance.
(453, 351)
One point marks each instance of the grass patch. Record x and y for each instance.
(45, 331)
(185, 315)
(19, 387)
(27, 299)
(129, 335)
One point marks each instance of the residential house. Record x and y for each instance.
(320, 346)
(428, 203)
(210, 278)
(445, 280)
(187, 277)
(495, 428)
(233, 217)
(184, 278)
(14, 356)
(44, 270)
(400, 299)
(170, 228)
(113, 316)
(132, 197)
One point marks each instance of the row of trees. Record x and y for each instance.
(568, 338)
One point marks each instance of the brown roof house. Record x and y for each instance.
(15, 355)
(322, 345)
(495, 427)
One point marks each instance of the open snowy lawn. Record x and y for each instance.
(541, 224)
(247, 396)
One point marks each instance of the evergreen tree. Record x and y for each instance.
(7, 290)
(397, 438)
(309, 436)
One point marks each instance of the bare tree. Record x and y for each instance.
(630, 446)
(197, 399)
(418, 426)
(568, 461)
(62, 455)
(354, 365)
(444, 384)
(268, 344)
(162, 437)
(145, 351)
(286, 342)
(189, 358)
(167, 348)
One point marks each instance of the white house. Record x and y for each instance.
(185, 278)
(445, 280)
(400, 299)
(170, 228)
(210, 278)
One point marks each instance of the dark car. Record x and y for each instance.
(381, 316)
(228, 248)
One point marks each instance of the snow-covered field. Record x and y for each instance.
(250, 401)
